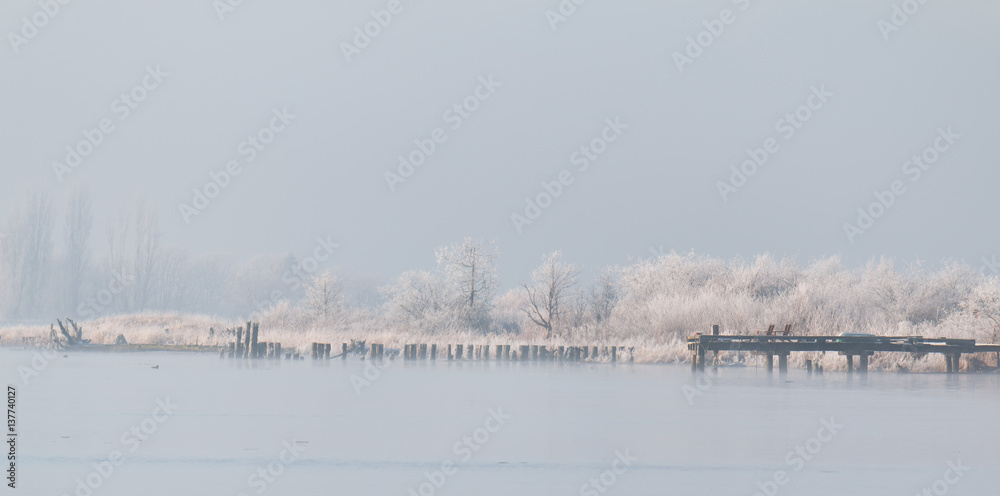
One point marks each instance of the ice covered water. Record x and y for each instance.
(200, 425)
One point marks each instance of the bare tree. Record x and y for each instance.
(135, 250)
(470, 267)
(26, 254)
(76, 243)
(546, 295)
(603, 296)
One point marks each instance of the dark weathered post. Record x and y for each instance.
(434, 352)
(863, 363)
(534, 352)
(458, 351)
(423, 352)
(499, 352)
(277, 351)
(783, 363)
(593, 354)
(506, 352)
(246, 344)
(850, 363)
(326, 350)
(809, 366)
(586, 351)
(239, 343)
(701, 356)
(770, 362)
(543, 354)
(253, 346)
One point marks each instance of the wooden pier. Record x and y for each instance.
(850, 345)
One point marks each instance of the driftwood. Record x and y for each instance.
(68, 338)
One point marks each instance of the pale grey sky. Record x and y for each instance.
(655, 185)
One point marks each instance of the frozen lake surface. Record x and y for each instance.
(561, 426)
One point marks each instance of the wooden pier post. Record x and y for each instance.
(863, 363)
(423, 352)
(525, 353)
(434, 352)
(534, 352)
(253, 343)
(246, 344)
(239, 343)
(949, 366)
(499, 352)
(770, 362)
(701, 356)
(450, 356)
(850, 364)
(783, 363)
(957, 359)
(586, 350)
(543, 354)
(593, 354)
(458, 351)
(506, 352)
(809, 367)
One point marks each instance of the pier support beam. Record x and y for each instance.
(770, 362)
(850, 364)
(783, 363)
(863, 364)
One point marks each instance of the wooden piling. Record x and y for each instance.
(246, 344)
(543, 354)
(850, 364)
(239, 343)
(863, 363)
(809, 366)
(458, 351)
(593, 354)
(434, 352)
(534, 352)
(506, 352)
(769, 358)
(498, 352)
(423, 352)
(586, 351)
(701, 356)
(326, 350)
(783, 363)
(253, 342)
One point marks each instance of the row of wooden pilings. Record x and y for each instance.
(504, 352)
(247, 346)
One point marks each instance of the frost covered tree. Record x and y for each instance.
(548, 293)
(26, 256)
(417, 299)
(324, 299)
(470, 269)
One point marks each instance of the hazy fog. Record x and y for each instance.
(655, 186)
